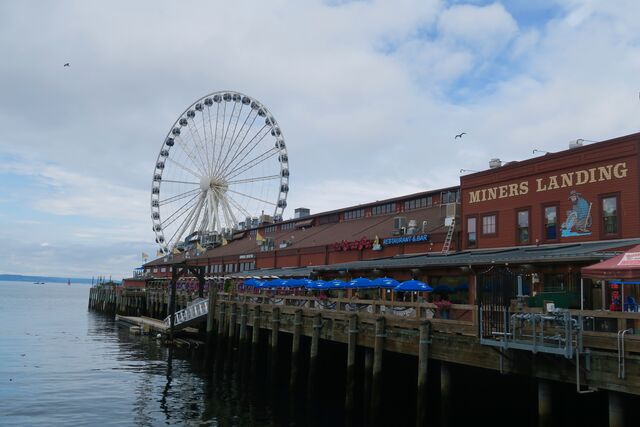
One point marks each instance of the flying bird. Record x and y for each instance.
(67, 64)
(460, 135)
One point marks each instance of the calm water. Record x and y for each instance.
(63, 365)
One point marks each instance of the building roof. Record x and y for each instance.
(590, 251)
(323, 234)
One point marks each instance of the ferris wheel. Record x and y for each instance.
(224, 161)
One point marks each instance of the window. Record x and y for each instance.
(550, 219)
(329, 219)
(452, 196)
(522, 220)
(422, 202)
(472, 235)
(287, 226)
(356, 213)
(610, 221)
(489, 224)
(383, 209)
(271, 229)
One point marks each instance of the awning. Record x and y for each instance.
(304, 223)
(625, 266)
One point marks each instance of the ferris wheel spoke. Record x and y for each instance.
(183, 167)
(233, 221)
(179, 212)
(238, 206)
(197, 215)
(241, 149)
(222, 132)
(196, 160)
(205, 215)
(252, 163)
(256, 179)
(179, 182)
(243, 130)
(178, 197)
(199, 145)
(206, 143)
(185, 224)
(251, 197)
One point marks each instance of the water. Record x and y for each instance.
(61, 364)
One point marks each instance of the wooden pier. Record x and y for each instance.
(410, 328)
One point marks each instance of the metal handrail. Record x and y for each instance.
(197, 309)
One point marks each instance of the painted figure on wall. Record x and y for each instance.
(578, 222)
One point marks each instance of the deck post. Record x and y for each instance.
(616, 411)
(423, 359)
(544, 403)
(295, 347)
(376, 380)
(352, 342)
(211, 313)
(313, 355)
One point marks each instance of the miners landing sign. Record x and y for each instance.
(551, 182)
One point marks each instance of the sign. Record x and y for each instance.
(630, 258)
(551, 182)
(405, 239)
(345, 245)
(247, 256)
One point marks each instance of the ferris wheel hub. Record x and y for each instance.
(213, 183)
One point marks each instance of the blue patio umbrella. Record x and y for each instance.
(360, 283)
(385, 282)
(294, 283)
(251, 282)
(443, 289)
(413, 286)
(336, 284)
(463, 287)
(317, 285)
(276, 283)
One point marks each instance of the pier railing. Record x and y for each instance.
(197, 309)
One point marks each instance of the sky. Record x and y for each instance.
(369, 96)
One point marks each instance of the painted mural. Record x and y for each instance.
(578, 222)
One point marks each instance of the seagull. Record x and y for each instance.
(460, 135)
(67, 64)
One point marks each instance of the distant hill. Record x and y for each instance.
(47, 279)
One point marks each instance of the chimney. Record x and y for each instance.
(495, 163)
(576, 143)
(301, 213)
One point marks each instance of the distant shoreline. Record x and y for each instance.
(46, 279)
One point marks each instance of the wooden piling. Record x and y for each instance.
(295, 347)
(445, 393)
(275, 331)
(172, 305)
(376, 380)
(233, 318)
(352, 341)
(616, 411)
(243, 324)
(313, 355)
(423, 359)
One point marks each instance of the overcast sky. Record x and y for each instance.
(369, 96)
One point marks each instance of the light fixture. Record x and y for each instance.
(467, 170)
(535, 150)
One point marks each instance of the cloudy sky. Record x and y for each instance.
(369, 96)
